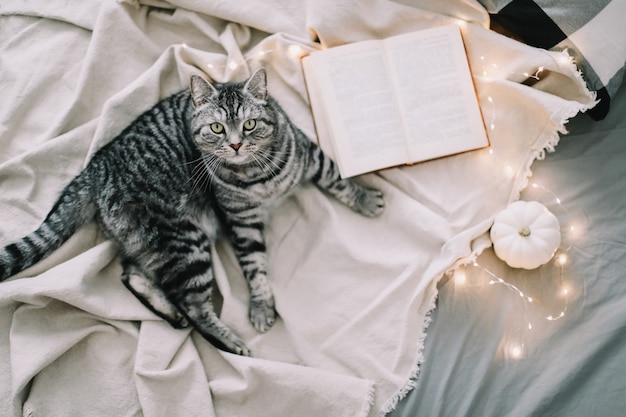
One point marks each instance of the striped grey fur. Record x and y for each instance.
(209, 159)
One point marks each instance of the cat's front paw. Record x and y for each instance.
(262, 314)
(370, 202)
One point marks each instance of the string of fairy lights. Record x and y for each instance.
(514, 349)
(484, 276)
(293, 50)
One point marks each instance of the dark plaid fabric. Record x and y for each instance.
(559, 24)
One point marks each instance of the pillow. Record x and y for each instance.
(594, 32)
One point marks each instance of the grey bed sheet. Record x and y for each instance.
(574, 366)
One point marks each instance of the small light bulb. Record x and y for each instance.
(232, 65)
(563, 59)
(575, 231)
(562, 259)
(516, 352)
(295, 51)
(459, 277)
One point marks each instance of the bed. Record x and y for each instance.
(480, 357)
(407, 314)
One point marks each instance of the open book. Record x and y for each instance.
(400, 100)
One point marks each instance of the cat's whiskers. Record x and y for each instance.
(276, 153)
(262, 165)
(197, 178)
(196, 172)
(197, 162)
(184, 164)
(272, 157)
(211, 164)
(202, 175)
(268, 165)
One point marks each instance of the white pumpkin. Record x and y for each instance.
(525, 234)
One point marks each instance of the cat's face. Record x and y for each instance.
(232, 122)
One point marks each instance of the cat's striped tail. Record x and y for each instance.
(74, 208)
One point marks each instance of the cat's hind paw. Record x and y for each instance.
(228, 342)
(239, 348)
(153, 297)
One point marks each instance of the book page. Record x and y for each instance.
(435, 90)
(318, 110)
(360, 107)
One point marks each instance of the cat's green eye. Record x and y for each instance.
(249, 124)
(216, 127)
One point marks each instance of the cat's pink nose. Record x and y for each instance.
(235, 146)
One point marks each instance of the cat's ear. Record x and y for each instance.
(257, 84)
(201, 90)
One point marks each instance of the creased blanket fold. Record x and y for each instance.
(353, 294)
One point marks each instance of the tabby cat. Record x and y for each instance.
(210, 158)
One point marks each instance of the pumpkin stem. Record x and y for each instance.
(524, 231)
